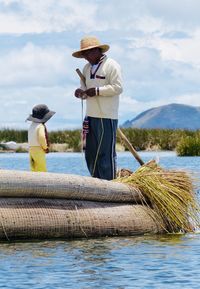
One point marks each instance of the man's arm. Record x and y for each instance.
(115, 81)
(113, 73)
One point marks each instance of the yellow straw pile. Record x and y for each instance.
(170, 193)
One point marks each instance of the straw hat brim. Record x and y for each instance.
(47, 116)
(78, 54)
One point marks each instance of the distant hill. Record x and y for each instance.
(171, 116)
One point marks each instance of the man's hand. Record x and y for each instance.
(79, 93)
(91, 92)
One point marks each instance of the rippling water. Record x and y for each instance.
(151, 261)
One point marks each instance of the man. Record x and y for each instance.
(101, 89)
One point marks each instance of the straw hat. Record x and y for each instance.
(40, 114)
(87, 43)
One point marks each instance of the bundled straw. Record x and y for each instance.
(170, 193)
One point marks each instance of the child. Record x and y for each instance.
(38, 138)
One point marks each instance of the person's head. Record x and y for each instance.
(40, 113)
(92, 55)
(91, 49)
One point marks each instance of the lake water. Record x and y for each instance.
(151, 261)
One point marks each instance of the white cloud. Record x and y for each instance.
(184, 50)
(25, 16)
(33, 65)
(19, 104)
(180, 13)
(156, 42)
(189, 99)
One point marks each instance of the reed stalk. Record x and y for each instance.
(170, 193)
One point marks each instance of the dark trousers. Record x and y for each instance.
(100, 153)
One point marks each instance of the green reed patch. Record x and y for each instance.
(141, 139)
(189, 146)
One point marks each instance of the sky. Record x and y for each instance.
(156, 42)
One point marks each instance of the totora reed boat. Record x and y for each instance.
(50, 205)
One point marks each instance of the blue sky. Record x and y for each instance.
(157, 43)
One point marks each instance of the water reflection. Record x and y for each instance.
(136, 262)
(150, 261)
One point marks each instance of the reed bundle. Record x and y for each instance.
(170, 193)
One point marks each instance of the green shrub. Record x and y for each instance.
(164, 139)
(141, 139)
(188, 146)
(74, 140)
(18, 136)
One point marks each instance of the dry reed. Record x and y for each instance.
(170, 193)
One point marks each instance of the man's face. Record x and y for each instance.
(92, 55)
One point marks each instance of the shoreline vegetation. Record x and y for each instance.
(184, 142)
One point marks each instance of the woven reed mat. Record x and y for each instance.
(32, 218)
(52, 185)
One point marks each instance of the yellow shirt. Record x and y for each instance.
(36, 135)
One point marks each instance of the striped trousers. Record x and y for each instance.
(100, 153)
